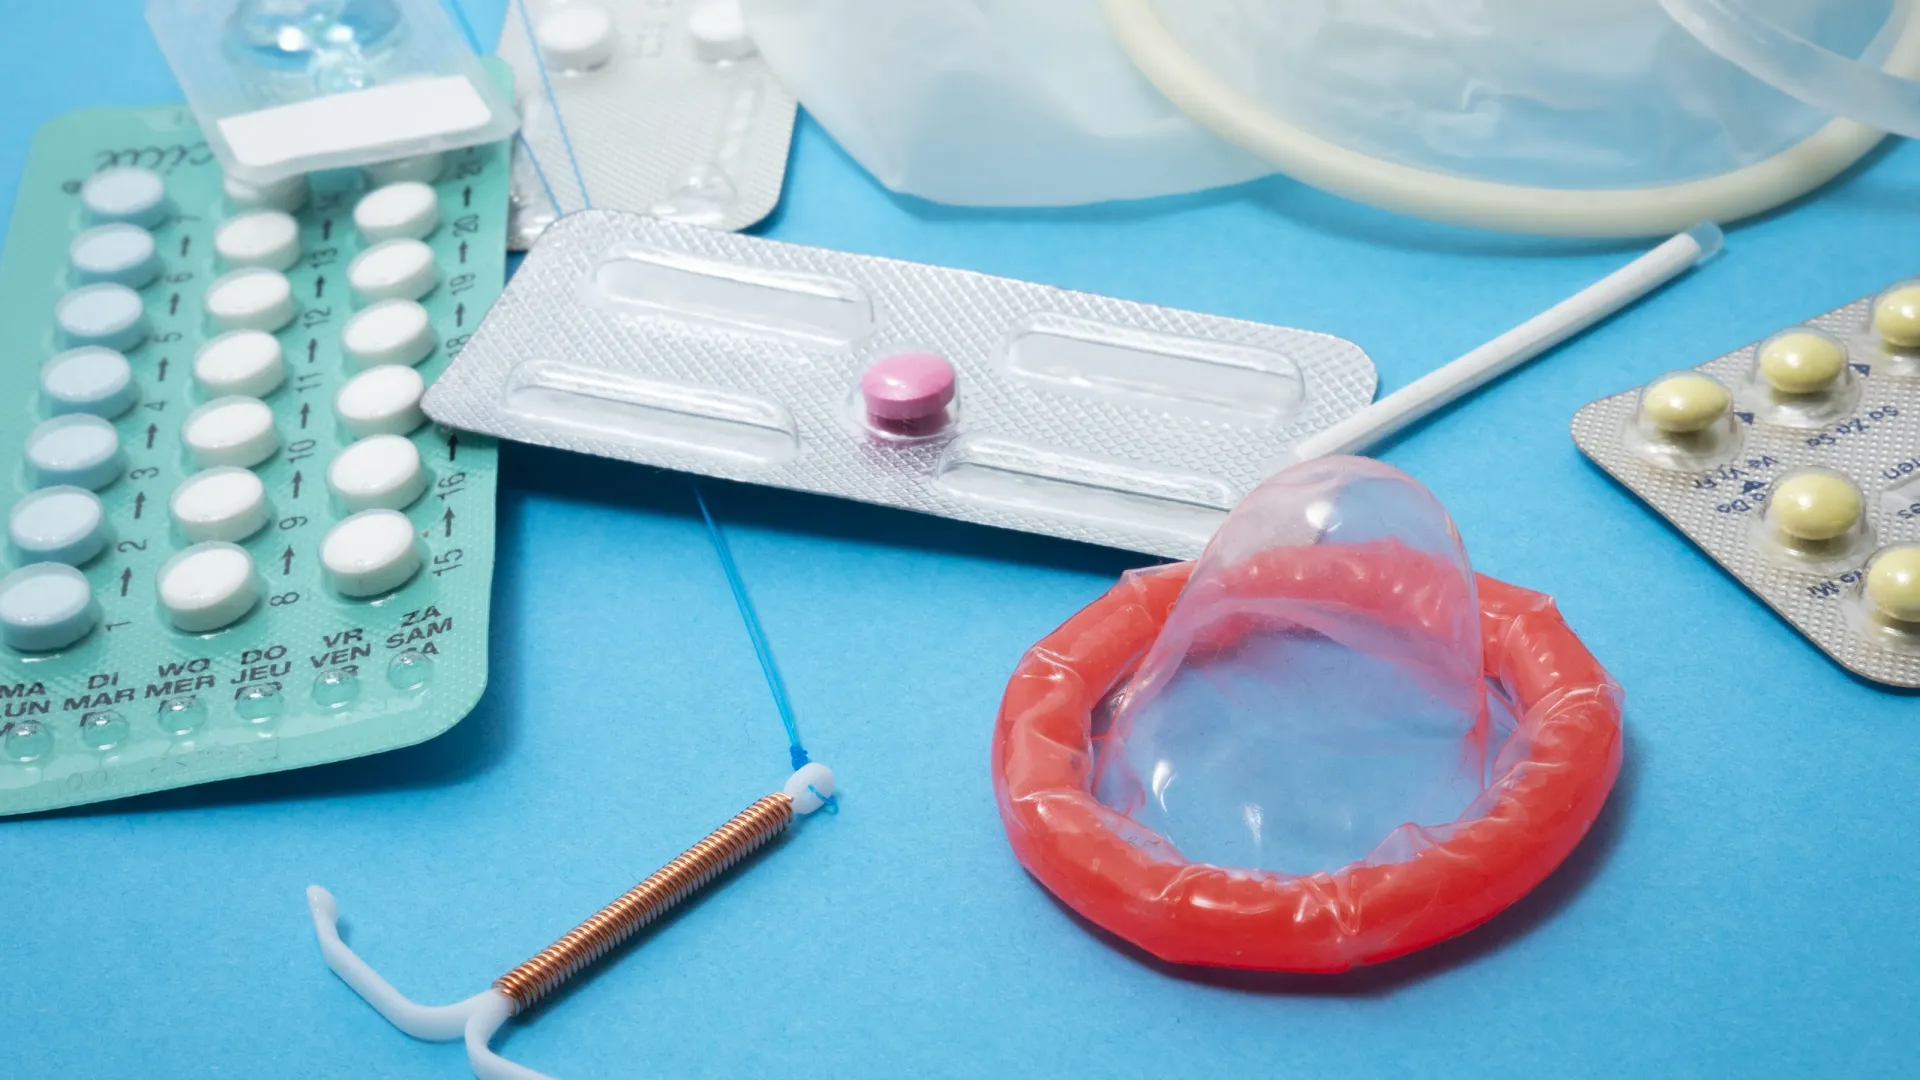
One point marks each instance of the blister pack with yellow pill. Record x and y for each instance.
(1795, 463)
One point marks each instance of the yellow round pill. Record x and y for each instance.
(1896, 316)
(1802, 362)
(1893, 583)
(1683, 404)
(1815, 506)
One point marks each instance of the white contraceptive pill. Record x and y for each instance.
(78, 449)
(249, 363)
(130, 194)
(420, 168)
(389, 332)
(208, 587)
(576, 36)
(383, 400)
(285, 195)
(92, 380)
(230, 431)
(251, 299)
(379, 472)
(719, 31)
(407, 210)
(371, 553)
(46, 606)
(225, 503)
(393, 270)
(58, 524)
(117, 253)
(269, 239)
(104, 314)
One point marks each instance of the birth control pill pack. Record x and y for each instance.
(655, 106)
(939, 390)
(1795, 464)
(235, 545)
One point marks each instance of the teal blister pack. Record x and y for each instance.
(237, 624)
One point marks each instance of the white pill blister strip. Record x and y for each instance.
(1026, 406)
(655, 106)
(1795, 464)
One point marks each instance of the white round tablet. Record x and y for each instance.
(263, 238)
(393, 270)
(118, 253)
(90, 380)
(379, 472)
(286, 195)
(245, 362)
(103, 314)
(389, 332)
(421, 168)
(230, 431)
(383, 400)
(58, 524)
(77, 449)
(225, 503)
(208, 586)
(46, 606)
(251, 299)
(370, 553)
(719, 31)
(133, 195)
(576, 36)
(409, 209)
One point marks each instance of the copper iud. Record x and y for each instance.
(477, 1018)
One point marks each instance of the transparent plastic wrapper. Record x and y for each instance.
(1794, 463)
(661, 107)
(285, 87)
(1408, 104)
(1327, 743)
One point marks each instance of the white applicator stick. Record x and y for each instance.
(1515, 347)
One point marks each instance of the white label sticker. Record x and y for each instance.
(356, 122)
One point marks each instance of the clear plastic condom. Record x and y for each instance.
(1802, 378)
(1884, 604)
(1685, 421)
(1815, 519)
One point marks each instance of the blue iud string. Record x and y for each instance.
(796, 751)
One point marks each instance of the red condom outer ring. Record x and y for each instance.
(1559, 766)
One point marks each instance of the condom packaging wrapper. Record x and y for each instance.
(1017, 102)
(1327, 743)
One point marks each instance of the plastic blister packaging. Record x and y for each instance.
(286, 87)
(1327, 743)
(187, 600)
(938, 390)
(1792, 463)
(655, 106)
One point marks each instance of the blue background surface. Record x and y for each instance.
(1745, 905)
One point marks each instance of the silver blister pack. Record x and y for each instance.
(660, 107)
(1066, 413)
(1805, 485)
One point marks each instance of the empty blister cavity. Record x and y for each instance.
(127, 194)
(371, 553)
(807, 307)
(389, 332)
(379, 472)
(93, 380)
(1016, 476)
(1884, 605)
(226, 503)
(208, 587)
(111, 316)
(269, 239)
(1814, 519)
(1802, 378)
(1160, 371)
(46, 606)
(119, 254)
(1685, 421)
(251, 299)
(409, 210)
(249, 363)
(399, 269)
(233, 430)
(58, 524)
(575, 36)
(705, 421)
(383, 400)
(79, 450)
